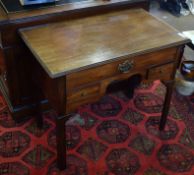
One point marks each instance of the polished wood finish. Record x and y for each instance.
(75, 80)
(76, 61)
(14, 79)
(94, 40)
(169, 89)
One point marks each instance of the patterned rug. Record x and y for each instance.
(115, 136)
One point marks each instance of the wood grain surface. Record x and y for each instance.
(66, 47)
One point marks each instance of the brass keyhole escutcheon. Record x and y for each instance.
(126, 66)
(83, 94)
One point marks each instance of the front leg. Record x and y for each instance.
(166, 106)
(61, 142)
(37, 105)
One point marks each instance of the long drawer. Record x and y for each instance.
(145, 61)
(89, 85)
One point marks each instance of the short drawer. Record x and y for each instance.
(81, 94)
(162, 72)
(98, 73)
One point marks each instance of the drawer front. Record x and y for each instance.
(162, 72)
(81, 94)
(98, 73)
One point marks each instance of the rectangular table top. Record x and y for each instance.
(65, 47)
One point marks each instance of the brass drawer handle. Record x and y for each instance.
(126, 66)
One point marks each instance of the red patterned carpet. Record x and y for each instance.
(115, 136)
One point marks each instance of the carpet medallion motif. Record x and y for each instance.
(148, 102)
(175, 158)
(113, 131)
(170, 131)
(6, 121)
(106, 107)
(122, 161)
(133, 116)
(13, 143)
(13, 168)
(92, 149)
(114, 136)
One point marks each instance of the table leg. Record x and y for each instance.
(166, 105)
(61, 142)
(180, 56)
(38, 113)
